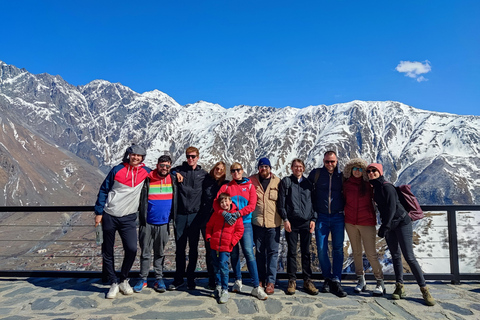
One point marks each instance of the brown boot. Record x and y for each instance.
(292, 285)
(310, 287)
(429, 301)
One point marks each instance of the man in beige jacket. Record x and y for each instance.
(266, 223)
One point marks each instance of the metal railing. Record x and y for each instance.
(13, 235)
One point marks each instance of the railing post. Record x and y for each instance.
(453, 245)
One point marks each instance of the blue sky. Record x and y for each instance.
(266, 53)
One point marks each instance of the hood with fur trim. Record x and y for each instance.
(356, 162)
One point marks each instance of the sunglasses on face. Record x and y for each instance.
(357, 169)
(372, 170)
(191, 156)
(235, 170)
(165, 166)
(329, 161)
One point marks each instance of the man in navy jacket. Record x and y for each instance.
(328, 204)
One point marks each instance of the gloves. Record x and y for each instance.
(226, 215)
(230, 218)
(382, 231)
(236, 215)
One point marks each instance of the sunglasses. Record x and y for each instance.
(191, 156)
(165, 166)
(357, 169)
(372, 171)
(329, 161)
(235, 170)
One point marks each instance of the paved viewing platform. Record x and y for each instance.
(84, 298)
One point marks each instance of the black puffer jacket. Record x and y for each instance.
(391, 210)
(210, 190)
(295, 200)
(190, 190)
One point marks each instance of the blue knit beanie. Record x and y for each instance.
(264, 162)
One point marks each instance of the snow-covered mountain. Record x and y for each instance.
(437, 153)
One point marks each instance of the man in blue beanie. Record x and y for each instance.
(266, 223)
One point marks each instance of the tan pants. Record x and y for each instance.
(366, 235)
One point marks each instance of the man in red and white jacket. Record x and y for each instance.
(116, 209)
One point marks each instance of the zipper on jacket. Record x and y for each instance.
(330, 195)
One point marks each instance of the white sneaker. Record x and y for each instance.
(259, 293)
(223, 297)
(112, 293)
(237, 286)
(125, 288)
(217, 292)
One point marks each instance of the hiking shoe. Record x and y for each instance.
(237, 286)
(139, 285)
(259, 293)
(429, 301)
(176, 285)
(379, 288)
(125, 288)
(292, 285)
(361, 285)
(112, 293)
(326, 286)
(309, 287)
(223, 296)
(159, 286)
(270, 289)
(337, 290)
(399, 292)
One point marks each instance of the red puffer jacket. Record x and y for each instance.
(222, 236)
(358, 208)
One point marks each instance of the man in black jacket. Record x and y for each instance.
(295, 208)
(187, 220)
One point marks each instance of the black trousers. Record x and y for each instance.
(187, 230)
(127, 229)
(303, 231)
(208, 258)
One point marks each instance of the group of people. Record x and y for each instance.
(248, 213)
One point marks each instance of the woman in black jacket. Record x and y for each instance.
(397, 229)
(211, 185)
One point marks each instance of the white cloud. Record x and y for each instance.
(414, 69)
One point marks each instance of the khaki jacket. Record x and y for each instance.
(266, 213)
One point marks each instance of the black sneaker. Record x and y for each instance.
(191, 285)
(326, 286)
(337, 290)
(176, 285)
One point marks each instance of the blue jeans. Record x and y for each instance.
(330, 223)
(220, 267)
(400, 241)
(247, 249)
(266, 244)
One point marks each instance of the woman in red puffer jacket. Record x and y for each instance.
(360, 221)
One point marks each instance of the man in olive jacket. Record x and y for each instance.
(266, 224)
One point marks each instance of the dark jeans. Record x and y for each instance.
(208, 258)
(220, 263)
(266, 244)
(335, 224)
(247, 248)
(127, 229)
(400, 241)
(305, 241)
(187, 229)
